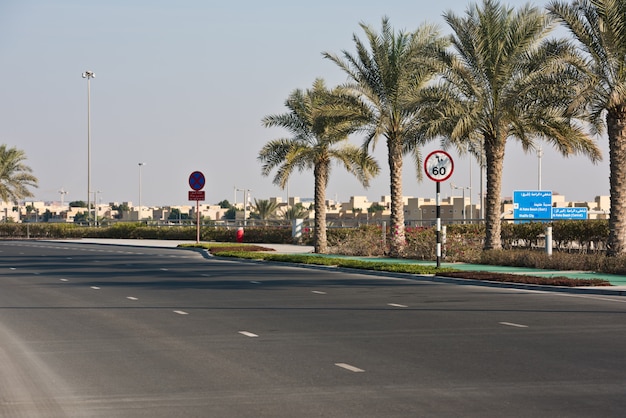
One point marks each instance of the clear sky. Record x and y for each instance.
(183, 85)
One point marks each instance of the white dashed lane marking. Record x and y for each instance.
(131, 298)
(248, 334)
(349, 367)
(181, 312)
(511, 324)
(397, 305)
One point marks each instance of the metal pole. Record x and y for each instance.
(437, 199)
(463, 208)
(88, 75)
(197, 221)
(88, 151)
(140, 211)
(539, 155)
(245, 204)
(470, 191)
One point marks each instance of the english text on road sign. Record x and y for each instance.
(196, 180)
(438, 166)
(196, 194)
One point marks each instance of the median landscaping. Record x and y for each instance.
(256, 252)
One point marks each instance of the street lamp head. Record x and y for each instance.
(89, 74)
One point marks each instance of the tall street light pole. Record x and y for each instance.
(140, 207)
(246, 196)
(539, 155)
(455, 187)
(89, 75)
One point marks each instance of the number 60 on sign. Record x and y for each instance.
(438, 166)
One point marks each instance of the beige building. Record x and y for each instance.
(417, 210)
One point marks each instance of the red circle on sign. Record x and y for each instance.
(438, 166)
(196, 180)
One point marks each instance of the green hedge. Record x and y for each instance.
(462, 241)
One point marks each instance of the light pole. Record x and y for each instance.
(452, 186)
(89, 75)
(97, 206)
(246, 196)
(539, 155)
(62, 192)
(140, 211)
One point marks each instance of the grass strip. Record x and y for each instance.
(257, 252)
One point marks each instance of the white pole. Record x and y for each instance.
(470, 191)
(88, 75)
(140, 207)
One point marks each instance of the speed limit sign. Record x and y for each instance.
(438, 166)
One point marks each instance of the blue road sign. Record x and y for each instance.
(532, 204)
(569, 213)
(196, 180)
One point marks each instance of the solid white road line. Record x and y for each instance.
(511, 324)
(248, 334)
(349, 367)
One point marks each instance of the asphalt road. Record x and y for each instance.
(92, 330)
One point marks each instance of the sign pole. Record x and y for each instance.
(438, 167)
(197, 222)
(196, 182)
(438, 202)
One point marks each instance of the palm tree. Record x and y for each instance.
(15, 176)
(505, 79)
(265, 209)
(296, 211)
(599, 26)
(319, 137)
(387, 74)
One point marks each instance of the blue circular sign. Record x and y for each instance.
(196, 180)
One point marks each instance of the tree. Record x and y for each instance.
(599, 27)
(296, 211)
(121, 208)
(505, 80)
(177, 215)
(78, 204)
(375, 207)
(224, 204)
(387, 75)
(231, 213)
(319, 138)
(15, 176)
(265, 209)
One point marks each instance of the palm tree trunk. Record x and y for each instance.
(616, 125)
(398, 240)
(320, 173)
(495, 160)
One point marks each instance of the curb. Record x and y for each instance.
(606, 291)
